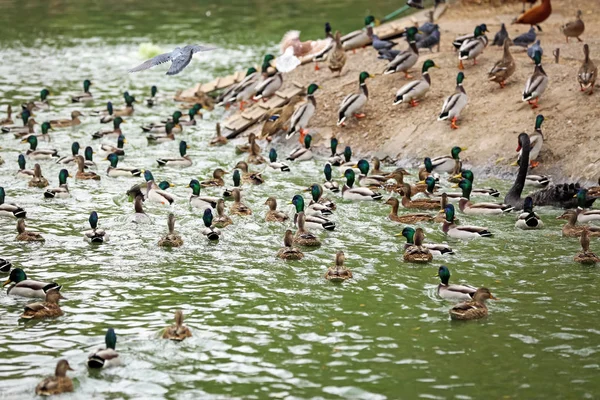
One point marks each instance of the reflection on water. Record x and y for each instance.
(262, 327)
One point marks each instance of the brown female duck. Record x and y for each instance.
(274, 215)
(585, 256)
(473, 309)
(38, 179)
(46, 309)
(222, 220)
(338, 272)
(177, 331)
(57, 384)
(25, 235)
(288, 251)
(407, 218)
(571, 229)
(171, 239)
(239, 208)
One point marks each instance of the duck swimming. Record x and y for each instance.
(177, 331)
(107, 357)
(48, 309)
(24, 287)
(10, 209)
(448, 291)
(209, 231)
(62, 191)
(338, 272)
(171, 239)
(288, 251)
(95, 235)
(57, 384)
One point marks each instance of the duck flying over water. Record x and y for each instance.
(180, 58)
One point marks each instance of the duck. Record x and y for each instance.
(255, 157)
(183, 161)
(107, 357)
(468, 175)
(110, 149)
(450, 228)
(279, 118)
(302, 237)
(24, 287)
(303, 114)
(335, 159)
(245, 148)
(38, 154)
(415, 90)
(460, 40)
(405, 60)
(116, 131)
(47, 309)
(454, 103)
(535, 15)
(217, 179)
(62, 123)
(504, 68)
(237, 180)
(5, 265)
(10, 209)
(192, 112)
(239, 208)
(114, 171)
(139, 216)
(198, 201)
(421, 204)
(274, 215)
(106, 115)
(347, 161)
(448, 291)
(474, 308)
(354, 102)
(407, 218)
(218, 140)
(471, 49)
(89, 157)
(288, 251)
(62, 191)
(8, 120)
(427, 170)
(268, 87)
(359, 193)
(302, 154)
(222, 220)
(377, 167)
(178, 331)
(153, 99)
(28, 129)
(469, 208)
(143, 188)
(536, 140)
(85, 96)
(254, 178)
(211, 233)
(171, 239)
(41, 104)
(23, 173)
(311, 221)
(70, 159)
(95, 235)
(128, 110)
(536, 84)
(539, 181)
(338, 272)
(571, 229)
(448, 164)
(336, 58)
(155, 193)
(366, 180)
(416, 238)
(81, 173)
(574, 28)
(528, 220)
(588, 72)
(161, 127)
(585, 256)
(329, 183)
(243, 91)
(583, 214)
(318, 202)
(25, 117)
(359, 38)
(163, 138)
(277, 166)
(57, 384)
(556, 195)
(189, 119)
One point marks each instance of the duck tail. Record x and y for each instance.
(161, 162)
(507, 209)
(443, 116)
(485, 233)
(341, 118)
(49, 194)
(329, 226)
(20, 213)
(377, 196)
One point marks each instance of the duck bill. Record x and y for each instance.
(8, 281)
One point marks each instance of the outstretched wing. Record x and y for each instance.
(196, 48)
(153, 62)
(184, 58)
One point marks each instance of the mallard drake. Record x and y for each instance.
(8, 120)
(41, 104)
(198, 201)
(414, 237)
(10, 209)
(574, 28)
(139, 216)
(449, 291)
(528, 219)
(161, 127)
(588, 72)
(255, 157)
(310, 221)
(254, 178)
(107, 149)
(405, 60)
(268, 87)
(116, 131)
(504, 68)
(23, 173)
(335, 159)
(448, 164)
(302, 154)
(114, 171)
(237, 180)
(536, 140)
(209, 231)
(38, 154)
(128, 110)
(329, 183)
(171, 239)
(24, 131)
(583, 214)
(107, 115)
(288, 251)
(302, 237)
(318, 202)
(95, 235)
(81, 173)
(217, 179)
(191, 118)
(279, 118)
(455, 103)
(585, 256)
(70, 159)
(62, 191)
(107, 357)
(243, 91)
(153, 99)
(460, 40)
(57, 384)
(62, 123)
(168, 136)
(347, 162)
(407, 218)
(473, 309)
(366, 180)
(5, 265)
(471, 49)
(414, 251)
(177, 331)
(47, 309)
(222, 219)
(468, 175)
(183, 161)
(218, 140)
(338, 272)
(239, 208)
(274, 215)
(420, 204)
(539, 181)
(303, 114)
(427, 170)
(469, 208)
(354, 102)
(277, 166)
(85, 96)
(89, 157)
(337, 56)
(143, 188)
(154, 193)
(536, 84)
(415, 90)
(24, 287)
(357, 194)
(450, 228)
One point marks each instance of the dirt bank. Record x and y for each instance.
(494, 117)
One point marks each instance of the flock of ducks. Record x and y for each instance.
(434, 201)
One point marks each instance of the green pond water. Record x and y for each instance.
(262, 327)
